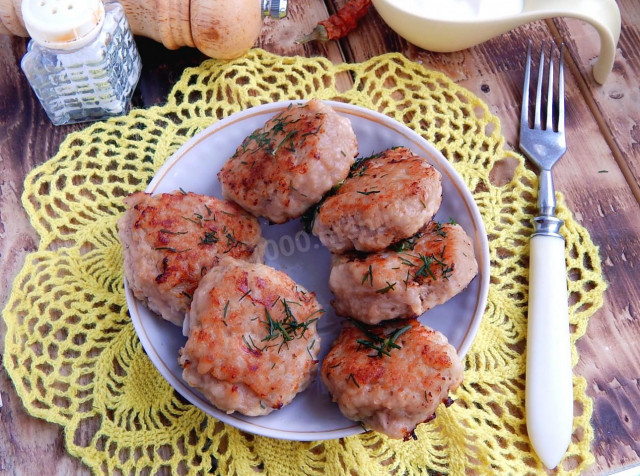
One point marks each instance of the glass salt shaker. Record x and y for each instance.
(82, 61)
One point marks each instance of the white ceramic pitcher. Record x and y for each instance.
(428, 30)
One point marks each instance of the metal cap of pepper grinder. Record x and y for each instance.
(274, 8)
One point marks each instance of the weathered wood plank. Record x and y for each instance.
(615, 103)
(280, 36)
(30, 446)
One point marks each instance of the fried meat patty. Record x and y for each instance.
(252, 340)
(391, 377)
(283, 168)
(386, 198)
(406, 279)
(171, 240)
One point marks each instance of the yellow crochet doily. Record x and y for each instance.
(74, 356)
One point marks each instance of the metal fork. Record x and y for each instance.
(549, 379)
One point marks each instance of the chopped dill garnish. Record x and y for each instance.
(260, 137)
(381, 344)
(406, 279)
(172, 250)
(406, 244)
(209, 238)
(224, 313)
(295, 189)
(229, 235)
(406, 262)
(169, 232)
(370, 192)
(353, 379)
(389, 287)
(368, 276)
(360, 171)
(445, 268)
(313, 133)
(309, 347)
(425, 269)
(360, 165)
(251, 345)
(309, 216)
(289, 137)
(197, 222)
(440, 231)
(424, 265)
(288, 328)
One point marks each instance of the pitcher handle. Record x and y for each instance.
(603, 15)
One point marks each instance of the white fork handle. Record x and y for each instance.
(549, 379)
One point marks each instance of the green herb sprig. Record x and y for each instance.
(380, 344)
(289, 328)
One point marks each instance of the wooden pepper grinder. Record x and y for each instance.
(222, 29)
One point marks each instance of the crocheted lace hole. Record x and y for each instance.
(503, 171)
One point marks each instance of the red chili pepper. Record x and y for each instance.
(340, 23)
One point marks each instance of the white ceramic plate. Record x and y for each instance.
(311, 415)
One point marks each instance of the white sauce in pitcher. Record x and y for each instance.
(462, 9)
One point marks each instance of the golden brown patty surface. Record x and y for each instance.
(252, 339)
(405, 280)
(386, 198)
(283, 168)
(171, 240)
(391, 377)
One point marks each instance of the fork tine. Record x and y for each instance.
(561, 91)
(549, 125)
(524, 111)
(537, 118)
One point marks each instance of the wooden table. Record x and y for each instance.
(599, 175)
